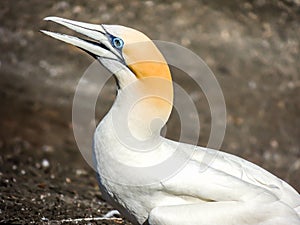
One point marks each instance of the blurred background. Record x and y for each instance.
(252, 48)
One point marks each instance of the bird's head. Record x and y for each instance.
(120, 49)
(132, 57)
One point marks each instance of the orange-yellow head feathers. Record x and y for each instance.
(140, 53)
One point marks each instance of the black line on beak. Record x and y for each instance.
(96, 43)
(86, 27)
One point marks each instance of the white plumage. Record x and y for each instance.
(226, 190)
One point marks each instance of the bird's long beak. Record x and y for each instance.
(98, 44)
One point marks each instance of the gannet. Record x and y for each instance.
(128, 147)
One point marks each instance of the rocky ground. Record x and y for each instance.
(251, 46)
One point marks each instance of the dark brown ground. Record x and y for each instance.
(252, 47)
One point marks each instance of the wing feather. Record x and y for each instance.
(229, 177)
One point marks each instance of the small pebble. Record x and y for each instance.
(291, 85)
(281, 104)
(267, 155)
(45, 163)
(30, 33)
(149, 3)
(185, 41)
(37, 165)
(68, 180)
(239, 120)
(23, 172)
(80, 172)
(177, 5)
(42, 197)
(42, 185)
(252, 84)
(274, 143)
(44, 219)
(77, 9)
(47, 148)
(252, 15)
(296, 165)
(62, 5)
(247, 5)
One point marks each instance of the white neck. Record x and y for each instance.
(140, 111)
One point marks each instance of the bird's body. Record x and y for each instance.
(230, 185)
(130, 153)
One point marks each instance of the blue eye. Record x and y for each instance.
(118, 42)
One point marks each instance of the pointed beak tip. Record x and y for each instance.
(50, 18)
(54, 35)
(46, 32)
(97, 44)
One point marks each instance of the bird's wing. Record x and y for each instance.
(223, 189)
(224, 213)
(225, 197)
(219, 176)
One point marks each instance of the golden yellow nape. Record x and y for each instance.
(155, 104)
(153, 73)
(157, 80)
(151, 69)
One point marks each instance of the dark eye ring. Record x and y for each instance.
(118, 42)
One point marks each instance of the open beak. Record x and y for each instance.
(98, 44)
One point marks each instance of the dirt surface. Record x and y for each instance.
(251, 46)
